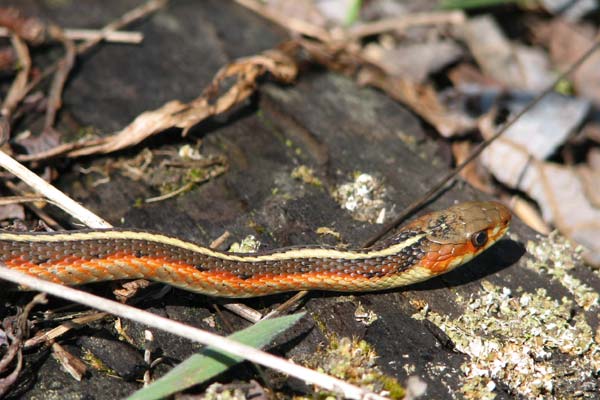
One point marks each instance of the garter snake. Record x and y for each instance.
(428, 246)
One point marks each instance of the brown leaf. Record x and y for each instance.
(73, 365)
(567, 43)
(28, 28)
(12, 211)
(515, 66)
(590, 180)
(423, 99)
(8, 58)
(414, 61)
(471, 173)
(557, 189)
(245, 72)
(34, 144)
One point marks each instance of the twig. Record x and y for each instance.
(218, 242)
(129, 17)
(242, 310)
(18, 89)
(73, 365)
(40, 213)
(60, 77)
(56, 196)
(290, 23)
(64, 328)
(406, 21)
(93, 34)
(15, 332)
(227, 345)
(188, 186)
(482, 146)
(283, 307)
(6, 200)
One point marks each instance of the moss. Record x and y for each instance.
(306, 175)
(217, 391)
(249, 244)
(96, 363)
(259, 229)
(353, 361)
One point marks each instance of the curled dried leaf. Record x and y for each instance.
(245, 72)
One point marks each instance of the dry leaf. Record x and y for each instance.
(12, 211)
(590, 180)
(245, 72)
(416, 61)
(423, 99)
(570, 9)
(471, 172)
(567, 43)
(305, 10)
(557, 189)
(30, 29)
(547, 125)
(517, 67)
(529, 214)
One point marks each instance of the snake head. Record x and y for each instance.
(481, 223)
(459, 233)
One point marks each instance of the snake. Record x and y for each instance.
(426, 247)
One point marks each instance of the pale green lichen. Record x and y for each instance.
(367, 317)
(306, 175)
(324, 230)
(249, 244)
(530, 342)
(353, 361)
(217, 391)
(363, 198)
(556, 255)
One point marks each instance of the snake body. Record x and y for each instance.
(428, 246)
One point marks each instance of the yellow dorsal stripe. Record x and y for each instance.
(171, 241)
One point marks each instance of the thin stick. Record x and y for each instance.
(39, 212)
(482, 146)
(128, 37)
(289, 303)
(292, 24)
(227, 345)
(404, 22)
(60, 78)
(242, 310)
(18, 89)
(127, 18)
(63, 201)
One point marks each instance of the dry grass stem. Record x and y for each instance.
(232, 347)
(18, 89)
(295, 25)
(404, 22)
(94, 34)
(63, 201)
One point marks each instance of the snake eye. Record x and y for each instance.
(479, 239)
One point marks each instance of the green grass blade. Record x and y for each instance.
(353, 12)
(210, 362)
